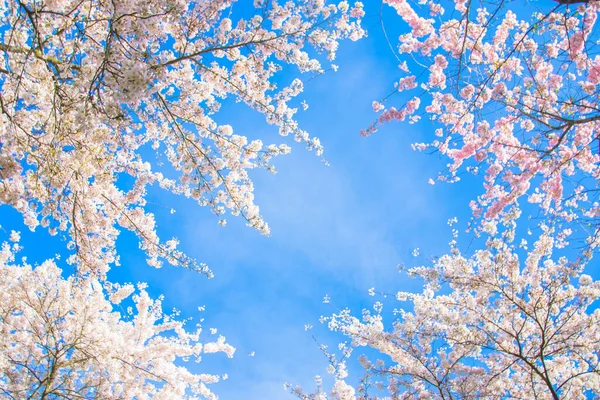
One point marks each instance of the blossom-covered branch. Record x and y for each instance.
(513, 94)
(87, 88)
(495, 325)
(71, 338)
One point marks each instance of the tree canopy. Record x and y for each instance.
(100, 100)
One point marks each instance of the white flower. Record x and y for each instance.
(15, 236)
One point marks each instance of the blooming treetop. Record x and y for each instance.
(509, 327)
(511, 93)
(86, 86)
(514, 96)
(65, 338)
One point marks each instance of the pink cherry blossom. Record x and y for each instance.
(511, 92)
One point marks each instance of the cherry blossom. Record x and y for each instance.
(73, 338)
(502, 323)
(90, 90)
(512, 94)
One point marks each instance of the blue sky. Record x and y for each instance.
(336, 230)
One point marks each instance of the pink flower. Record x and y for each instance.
(407, 83)
(594, 71)
(467, 92)
(377, 106)
(576, 43)
(357, 12)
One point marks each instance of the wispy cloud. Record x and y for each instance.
(336, 230)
